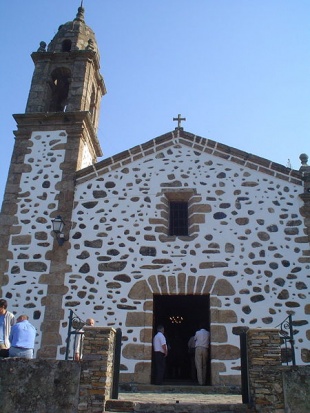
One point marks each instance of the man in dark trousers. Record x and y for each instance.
(160, 351)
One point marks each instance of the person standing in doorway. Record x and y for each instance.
(160, 352)
(7, 320)
(191, 352)
(202, 341)
(22, 338)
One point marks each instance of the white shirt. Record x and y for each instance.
(202, 338)
(159, 341)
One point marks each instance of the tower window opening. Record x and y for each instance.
(93, 102)
(66, 45)
(59, 85)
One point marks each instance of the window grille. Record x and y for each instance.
(178, 218)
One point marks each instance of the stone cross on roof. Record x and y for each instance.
(179, 119)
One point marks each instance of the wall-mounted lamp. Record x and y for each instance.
(58, 226)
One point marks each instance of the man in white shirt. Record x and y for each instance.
(160, 353)
(202, 340)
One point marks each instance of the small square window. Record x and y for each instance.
(178, 218)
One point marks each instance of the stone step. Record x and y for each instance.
(176, 398)
(119, 406)
(173, 388)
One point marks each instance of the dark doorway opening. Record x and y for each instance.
(181, 316)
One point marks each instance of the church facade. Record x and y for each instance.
(176, 231)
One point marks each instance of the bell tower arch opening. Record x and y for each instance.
(66, 45)
(180, 315)
(59, 89)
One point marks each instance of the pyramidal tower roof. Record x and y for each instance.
(74, 35)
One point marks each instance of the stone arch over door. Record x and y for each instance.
(181, 284)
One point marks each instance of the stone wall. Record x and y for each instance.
(28, 386)
(41, 386)
(275, 388)
(97, 368)
(296, 385)
(265, 375)
(246, 248)
(29, 200)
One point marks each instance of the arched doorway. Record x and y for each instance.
(180, 315)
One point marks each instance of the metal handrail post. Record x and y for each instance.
(69, 334)
(117, 362)
(292, 341)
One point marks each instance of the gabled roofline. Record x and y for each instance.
(198, 143)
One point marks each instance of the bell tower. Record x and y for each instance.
(55, 137)
(66, 76)
(67, 80)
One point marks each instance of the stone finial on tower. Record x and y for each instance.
(42, 47)
(305, 170)
(304, 159)
(90, 45)
(80, 15)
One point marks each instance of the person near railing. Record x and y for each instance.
(78, 342)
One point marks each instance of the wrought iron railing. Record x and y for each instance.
(75, 330)
(287, 339)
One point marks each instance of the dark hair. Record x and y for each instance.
(160, 327)
(3, 303)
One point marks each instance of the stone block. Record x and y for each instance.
(137, 351)
(218, 334)
(212, 264)
(148, 306)
(139, 319)
(21, 240)
(140, 291)
(223, 316)
(216, 369)
(225, 352)
(223, 288)
(146, 335)
(143, 372)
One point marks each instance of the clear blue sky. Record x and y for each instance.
(238, 70)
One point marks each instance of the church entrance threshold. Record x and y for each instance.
(180, 315)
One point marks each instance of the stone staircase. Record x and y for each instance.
(178, 399)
